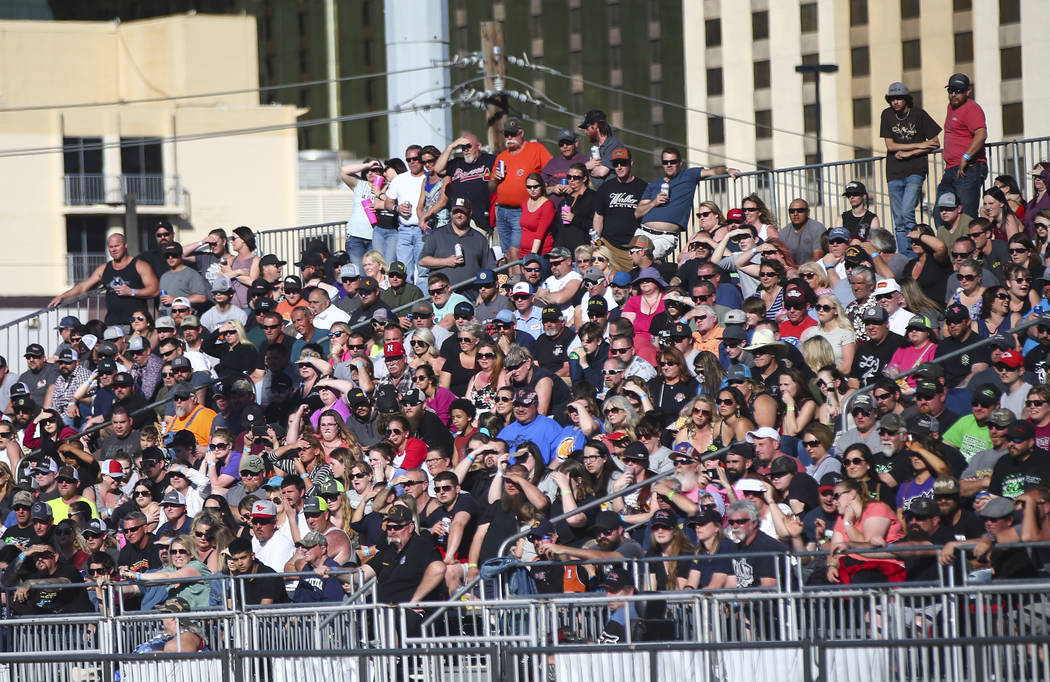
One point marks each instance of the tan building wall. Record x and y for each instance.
(221, 181)
(1014, 104)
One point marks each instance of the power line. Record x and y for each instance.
(220, 93)
(526, 64)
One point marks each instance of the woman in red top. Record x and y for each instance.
(537, 216)
(862, 523)
(409, 452)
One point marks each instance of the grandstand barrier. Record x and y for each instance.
(289, 243)
(40, 327)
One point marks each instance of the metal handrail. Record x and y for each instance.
(76, 299)
(1038, 319)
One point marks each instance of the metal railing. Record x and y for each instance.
(150, 189)
(289, 243)
(80, 265)
(39, 326)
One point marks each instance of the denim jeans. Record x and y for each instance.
(384, 241)
(508, 226)
(967, 188)
(409, 246)
(904, 198)
(356, 248)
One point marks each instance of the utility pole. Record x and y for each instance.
(816, 70)
(495, 70)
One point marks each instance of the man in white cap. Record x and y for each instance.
(527, 317)
(889, 296)
(270, 547)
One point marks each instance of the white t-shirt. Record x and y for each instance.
(837, 337)
(898, 321)
(555, 284)
(406, 188)
(276, 552)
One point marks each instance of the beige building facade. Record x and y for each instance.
(740, 58)
(68, 166)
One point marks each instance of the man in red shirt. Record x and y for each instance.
(965, 130)
(513, 165)
(798, 320)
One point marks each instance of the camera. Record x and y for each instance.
(260, 430)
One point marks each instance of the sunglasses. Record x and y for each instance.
(670, 162)
(1034, 403)
(811, 443)
(822, 308)
(701, 411)
(855, 461)
(408, 483)
(575, 177)
(956, 255)
(619, 351)
(132, 529)
(738, 522)
(393, 432)
(444, 488)
(396, 526)
(797, 210)
(726, 401)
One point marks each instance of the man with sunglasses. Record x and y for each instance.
(270, 547)
(22, 532)
(45, 568)
(556, 170)
(551, 349)
(457, 250)
(797, 301)
(665, 214)
(139, 552)
(977, 475)
(452, 526)
(959, 373)
(742, 529)
(489, 301)
(864, 411)
(190, 415)
(223, 310)
(614, 216)
(1026, 466)
(970, 433)
(71, 374)
(874, 355)
(180, 281)
(513, 165)
(409, 568)
(965, 131)
(802, 236)
(423, 423)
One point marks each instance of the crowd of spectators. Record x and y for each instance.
(507, 338)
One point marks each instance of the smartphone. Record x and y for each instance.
(260, 430)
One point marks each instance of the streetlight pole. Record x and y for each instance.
(816, 70)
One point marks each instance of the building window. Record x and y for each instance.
(764, 124)
(911, 54)
(1010, 63)
(716, 130)
(962, 5)
(809, 60)
(909, 9)
(808, 15)
(140, 156)
(858, 12)
(762, 74)
(713, 32)
(862, 112)
(1013, 119)
(1009, 11)
(809, 118)
(759, 25)
(964, 47)
(714, 82)
(82, 155)
(859, 61)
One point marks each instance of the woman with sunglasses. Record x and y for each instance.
(674, 386)
(1041, 233)
(771, 277)
(834, 391)
(698, 418)
(483, 388)
(70, 544)
(359, 229)
(577, 210)
(970, 292)
(919, 348)
(642, 308)
(603, 260)
(185, 565)
(817, 439)
(734, 417)
(424, 350)
(996, 317)
(537, 218)
(758, 215)
(816, 277)
(235, 352)
(1005, 222)
(620, 415)
(583, 258)
(858, 465)
(1023, 252)
(339, 343)
(712, 222)
(708, 370)
(862, 522)
(142, 326)
(219, 506)
(503, 404)
(243, 268)
(7, 483)
(432, 204)
(833, 325)
(142, 501)
(459, 368)
(1019, 285)
(211, 537)
(710, 540)
(44, 432)
(598, 463)
(931, 267)
(667, 540)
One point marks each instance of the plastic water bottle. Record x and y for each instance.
(370, 213)
(565, 211)
(459, 253)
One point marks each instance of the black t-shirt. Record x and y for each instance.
(959, 368)
(26, 537)
(1011, 477)
(552, 352)
(804, 489)
(501, 525)
(969, 526)
(897, 465)
(918, 567)
(669, 399)
(471, 180)
(400, 573)
(870, 358)
(464, 503)
(750, 570)
(718, 564)
(264, 586)
(616, 204)
(433, 432)
(576, 233)
(915, 126)
(1036, 361)
(60, 599)
(140, 560)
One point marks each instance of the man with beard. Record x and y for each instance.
(423, 422)
(489, 301)
(71, 374)
(930, 398)
(891, 460)
(613, 542)
(978, 473)
(620, 286)
(551, 349)
(970, 434)
(960, 524)
(739, 460)
(1026, 466)
(925, 527)
(468, 176)
(362, 421)
(959, 372)
(742, 528)
(190, 415)
(864, 411)
(874, 354)
(524, 373)
(40, 375)
(457, 250)
(128, 396)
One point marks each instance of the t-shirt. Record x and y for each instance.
(915, 126)
(968, 436)
(184, 282)
(802, 243)
(791, 332)
(145, 559)
(716, 564)
(959, 128)
(555, 284)
(958, 369)
(749, 571)
(406, 188)
(616, 203)
(871, 359)
(551, 352)
(679, 201)
(1011, 477)
(264, 587)
(557, 170)
(471, 180)
(837, 337)
(477, 255)
(37, 381)
(464, 503)
(543, 431)
(398, 574)
(532, 157)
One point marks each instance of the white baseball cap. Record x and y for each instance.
(521, 288)
(763, 432)
(886, 286)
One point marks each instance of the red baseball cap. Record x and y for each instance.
(735, 215)
(1011, 358)
(393, 349)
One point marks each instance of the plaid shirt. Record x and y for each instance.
(66, 386)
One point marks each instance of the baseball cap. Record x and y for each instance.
(174, 498)
(597, 306)
(924, 508)
(293, 283)
(164, 322)
(830, 480)
(356, 397)
(70, 355)
(616, 579)
(592, 116)
(181, 362)
(42, 511)
(956, 312)
(461, 205)
(313, 538)
(892, 422)
(1021, 429)
(946, 485)
(566, 135)
(181, 390)
(594, 274)
(886, 286)
(559, 253)
(264, 304)
(485, 277)
(463, 309)
(839, 233)
(987, 395)
(271, 259)
(541, 527)
(920, 322)
(386, 401)
(123, 379)
(512, 126)
(750, 485)
(641, 242)
(735, 316)
(783, 465)
(68, 474)
(221, 284)
(897, 89)
(735, 215)
(738, 372)
(368, 284)
(734, 332)
(550, 314)
(958, 80)
(525, 397)
(1011, 358)
(621, 153)
(855, 255)
(636, 451)
(34, 350)
(608, 520)
(68, 322)
(393, 349)
(137, 344)
(399, 513)
(763, 432)
(876, 315)
(521, 288)
(263, 509)
(398, 268)
(948, 200)
(1002, 417)
(96, 527)
(315, 505)
(107, 366)
(253, 464)
(997, 508)
(423, 308)
(621, 279)
(854, 188)
(180, 301)
(923, 425)
(863, 402)
(412, 397)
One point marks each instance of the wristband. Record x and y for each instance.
(623, 518)
(472, 565)
(366, 551)
(211, 464)
(133, 293)
(965, 156)
(469, 458)
(670, 494)
(789, 408)
(389, 484)
(138, 576)
(22, 556)
(566, 491)
(498, 474)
